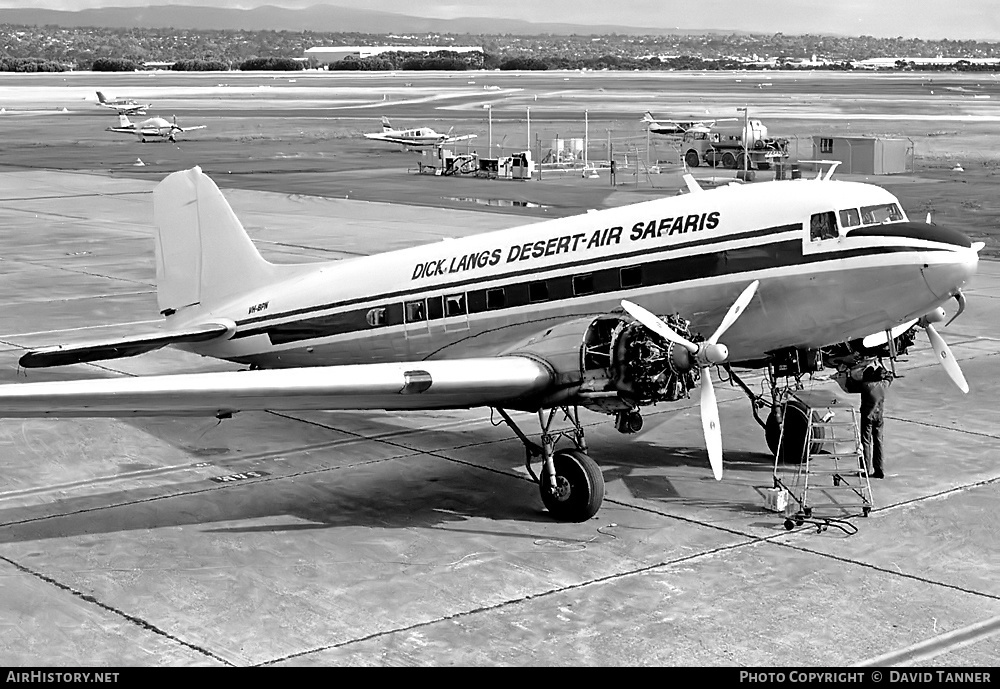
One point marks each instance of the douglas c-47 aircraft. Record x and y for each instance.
(614, 310)
(420, 137)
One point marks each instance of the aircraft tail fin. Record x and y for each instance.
(203, 255)
(123, 120)
(386, 127)
(101, 97)
(648, 117)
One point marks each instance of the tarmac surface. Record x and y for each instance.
(419, 539)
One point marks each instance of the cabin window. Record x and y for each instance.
(850, 217)
(435, 308)
(885, 212)
(822, 226)
(631, 277)
(496, 298)
(538, 291)
(826, 145)
(415, 312)
(454, 305)
(376, 317)
(583, 284)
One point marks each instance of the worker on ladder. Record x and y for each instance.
(872, 380)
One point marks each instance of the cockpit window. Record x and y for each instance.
(823, 226)
(850, 217)
(885, 212)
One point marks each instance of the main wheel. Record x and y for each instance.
(579, 487)
(729, 160)
(691, 158)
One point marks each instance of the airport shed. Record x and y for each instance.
(865, 155)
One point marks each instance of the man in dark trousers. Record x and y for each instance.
(873, 385)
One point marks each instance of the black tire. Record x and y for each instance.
(580, 487)
(692, 159)
(795, 432)
(729, 160)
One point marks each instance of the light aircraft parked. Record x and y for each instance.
(154, 129)
(545, 318)
(123, 106)
(419, 137)
(677, 126)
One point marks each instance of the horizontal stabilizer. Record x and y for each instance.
(62, 355)
(450, 384)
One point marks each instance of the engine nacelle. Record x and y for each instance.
(617, 364)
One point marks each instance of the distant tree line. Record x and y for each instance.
(31, 64)
(447, 60)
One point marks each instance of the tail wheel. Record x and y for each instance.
(579, 489)
(691, 158)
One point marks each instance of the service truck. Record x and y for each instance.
(723, 145)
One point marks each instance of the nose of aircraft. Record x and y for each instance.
(949, 270)
(948, 275)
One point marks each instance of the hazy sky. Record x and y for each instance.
(909, 18)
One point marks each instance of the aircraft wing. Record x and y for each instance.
(191, 129)
(121, 130)
(446, 384)
(464, 137)
(78, 353)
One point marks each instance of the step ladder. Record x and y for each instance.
(832, 473)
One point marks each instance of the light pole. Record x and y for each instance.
(746, 135)
(489, 108)
(529, 129)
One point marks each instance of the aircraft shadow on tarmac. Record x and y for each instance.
(400, 492)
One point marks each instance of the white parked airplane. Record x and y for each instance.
(154, 129)
(419, 137)
(677, 126)
(530, 318)
(123, 106)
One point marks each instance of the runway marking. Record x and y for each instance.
(938, 645)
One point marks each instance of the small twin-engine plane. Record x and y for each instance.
(153, 129)
(613, 311)
(419, 137)
(123, 106)
(677, 126)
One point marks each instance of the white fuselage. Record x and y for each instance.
(690, 254)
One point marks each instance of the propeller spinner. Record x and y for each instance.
(706, 354)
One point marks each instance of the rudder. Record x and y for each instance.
(203, 254)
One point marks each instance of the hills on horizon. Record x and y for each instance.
(319, 18)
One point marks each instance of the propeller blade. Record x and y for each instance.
(650, 320)
(962, 303)
(947, 359)
(735, 310)
(710, 423)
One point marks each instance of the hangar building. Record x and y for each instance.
(339, 52)
(865, 155)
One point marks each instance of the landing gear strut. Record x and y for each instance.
(571, 483)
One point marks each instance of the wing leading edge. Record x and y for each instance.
(510, 381)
